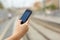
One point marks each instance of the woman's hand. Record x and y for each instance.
(20, 31)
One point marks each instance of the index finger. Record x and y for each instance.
(26, 23)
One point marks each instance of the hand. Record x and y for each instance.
(20, 30)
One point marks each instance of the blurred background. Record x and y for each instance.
(44, 23)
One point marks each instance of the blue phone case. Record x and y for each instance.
(26, 15)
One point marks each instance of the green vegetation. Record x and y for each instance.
(1, 6)
(51, 7)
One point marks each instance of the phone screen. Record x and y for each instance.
(25, 16)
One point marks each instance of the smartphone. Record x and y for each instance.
(25, 16)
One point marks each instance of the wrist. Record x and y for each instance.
(12, 37)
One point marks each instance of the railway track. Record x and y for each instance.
(47, 25)
(40, 32)
(45, 29)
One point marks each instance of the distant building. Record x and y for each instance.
(48, 2)
(57, 3)
(37, 6)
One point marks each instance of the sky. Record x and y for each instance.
(18, 3)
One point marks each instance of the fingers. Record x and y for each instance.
(19, 22)
(26, 23)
